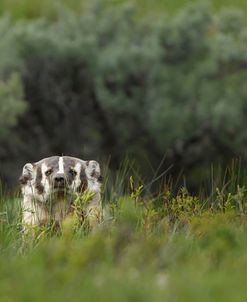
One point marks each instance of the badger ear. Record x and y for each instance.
(93, 170)
(27, 174)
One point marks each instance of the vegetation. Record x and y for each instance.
(109, 83)
(11, 102)
(31, 9)
(163, 81)
(172, 247)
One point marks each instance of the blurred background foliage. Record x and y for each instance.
(103, 79)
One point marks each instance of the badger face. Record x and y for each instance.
(59, 175)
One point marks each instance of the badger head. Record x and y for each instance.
(59, 175)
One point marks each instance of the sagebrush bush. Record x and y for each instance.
(175, 83)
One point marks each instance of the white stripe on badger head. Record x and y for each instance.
(60, 165)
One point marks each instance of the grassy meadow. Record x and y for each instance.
(162, 247)
(160, 239)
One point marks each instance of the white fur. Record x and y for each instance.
(60, 165)
(45, 183)
(77, 182)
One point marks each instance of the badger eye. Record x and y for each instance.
(72, 172)
(48, 172)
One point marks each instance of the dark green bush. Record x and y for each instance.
(102, 83)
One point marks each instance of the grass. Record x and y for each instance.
(167, 247)
(34, 9)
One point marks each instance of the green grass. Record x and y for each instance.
(34, 9)
(171, 247)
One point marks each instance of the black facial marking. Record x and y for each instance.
(23, 180)
(48, 172)
(38, 185)
(83, 178)
(70, 173)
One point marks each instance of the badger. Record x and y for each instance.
(50, 186)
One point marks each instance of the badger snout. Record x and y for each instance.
(59, 181)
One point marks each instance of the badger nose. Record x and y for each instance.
(59, 179)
